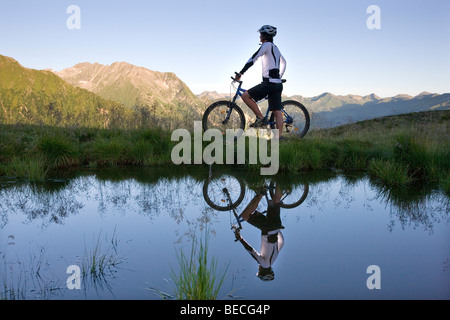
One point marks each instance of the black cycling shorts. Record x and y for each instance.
(269, 222)
(268, 89)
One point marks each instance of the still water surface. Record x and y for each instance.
(134, 222)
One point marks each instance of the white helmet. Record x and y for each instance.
(265, 274)
(269, 30)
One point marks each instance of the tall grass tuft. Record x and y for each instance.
(57, 151)
(439, 164)
(309, 156)
(409, 151)
(33, 170)
(289, 157)
(98, 264)
(445, 183)
(390, 172)
(152, 145)
(199, 277)
(110, 151)
(353, 154)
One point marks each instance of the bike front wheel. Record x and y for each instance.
(224, 115)
(296, 119)
(224, 193)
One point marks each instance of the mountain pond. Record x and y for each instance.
(341, 235)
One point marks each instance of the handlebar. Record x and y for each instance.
(234, 79)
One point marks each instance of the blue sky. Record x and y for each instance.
(326, 43)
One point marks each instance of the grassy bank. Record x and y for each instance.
(31, 152)
(397, 150)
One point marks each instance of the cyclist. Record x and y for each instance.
(272, 239)
(273, 68)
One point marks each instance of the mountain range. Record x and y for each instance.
(163, 95)
(329, 110)
(124, 95)
(40, 97)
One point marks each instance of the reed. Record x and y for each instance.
(28, 278)
(98, 263)
(199, 277)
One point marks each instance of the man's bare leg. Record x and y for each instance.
(279, 120)
(248, 211)
(252, 105)
(278, 194)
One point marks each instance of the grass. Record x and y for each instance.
(98, 263)
(57, 151)
(198, 276)
(445, 184)
(398, 150)
(27, 279)
(31, 152)
(391, 173)
(33, 170)
(414, 146)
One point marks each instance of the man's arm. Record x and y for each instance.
(252, 60)
(255, 255)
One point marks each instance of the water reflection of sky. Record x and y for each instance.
(344, 225)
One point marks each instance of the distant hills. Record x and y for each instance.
(329, 110)
(94, 95)
(40, 97)
(124, 95)
(163, 95)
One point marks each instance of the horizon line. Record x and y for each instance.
(424, 92)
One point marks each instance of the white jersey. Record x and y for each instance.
(273, 62)
(269, 250)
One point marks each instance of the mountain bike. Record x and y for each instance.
(225, 115)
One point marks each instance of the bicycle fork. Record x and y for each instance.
(227, 118)
(225, 190)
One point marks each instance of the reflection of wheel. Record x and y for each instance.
(216, 198)
(291, 198)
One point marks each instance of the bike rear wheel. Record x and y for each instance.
(223, 115)
(290, 197)
(295, 117)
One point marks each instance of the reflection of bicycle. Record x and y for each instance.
(225, 115)
(226, 192)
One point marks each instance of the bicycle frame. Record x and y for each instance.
(233, 208)
(240, 91)
(225, 190)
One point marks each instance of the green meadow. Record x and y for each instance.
(397, 150)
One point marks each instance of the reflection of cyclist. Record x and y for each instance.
(271, 237)
(273, 67)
